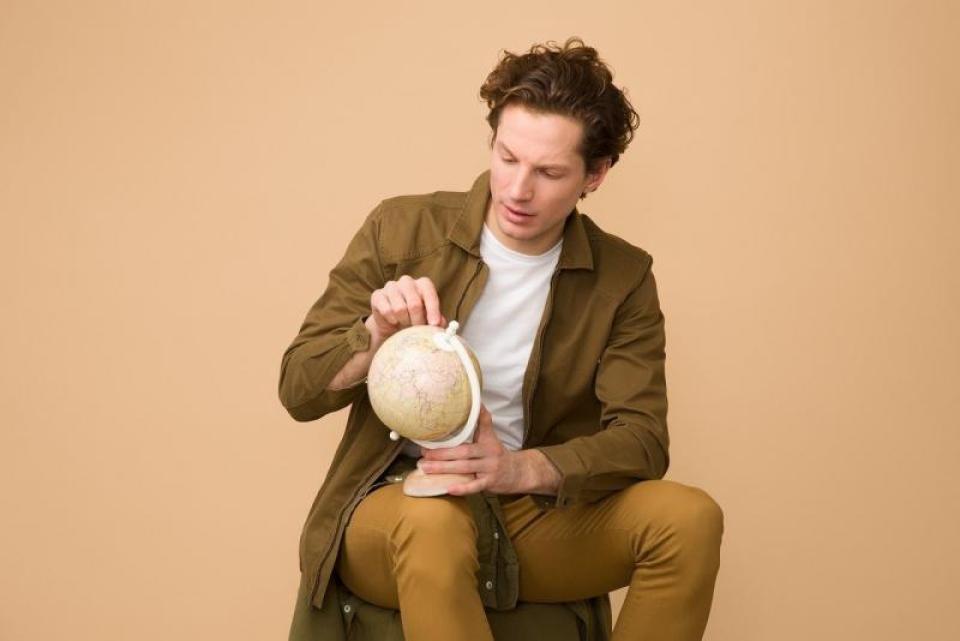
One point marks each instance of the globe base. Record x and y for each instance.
(419, 484)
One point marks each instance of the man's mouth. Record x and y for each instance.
(518, 212)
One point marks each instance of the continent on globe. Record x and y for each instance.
(418, 384)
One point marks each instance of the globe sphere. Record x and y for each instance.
(419, 389)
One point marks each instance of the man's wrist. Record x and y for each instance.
(542, 476)
(354, 371)
(376, 338)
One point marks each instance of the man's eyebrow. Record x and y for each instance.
(560, 167)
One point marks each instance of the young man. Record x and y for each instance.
(568, 500)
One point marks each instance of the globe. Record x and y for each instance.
(418, 383)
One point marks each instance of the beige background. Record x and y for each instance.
(177, 179)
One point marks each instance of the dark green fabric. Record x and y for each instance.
(356, 620)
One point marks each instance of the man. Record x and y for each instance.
(572, 442)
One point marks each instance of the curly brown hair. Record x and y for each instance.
(569, 80)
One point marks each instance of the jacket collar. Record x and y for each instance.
(465, 233)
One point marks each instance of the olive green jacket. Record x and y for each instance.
(594, 392)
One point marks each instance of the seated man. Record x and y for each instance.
(572, 442)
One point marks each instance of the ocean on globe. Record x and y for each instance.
(419, 389)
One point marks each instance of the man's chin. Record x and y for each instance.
(520, 235)
(514, 230)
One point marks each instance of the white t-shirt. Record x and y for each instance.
(501, 329)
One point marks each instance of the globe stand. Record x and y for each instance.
(418, 483)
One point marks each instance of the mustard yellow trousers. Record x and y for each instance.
(659, 537)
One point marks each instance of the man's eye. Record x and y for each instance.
(508, 160)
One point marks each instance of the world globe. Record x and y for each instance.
(419, 385)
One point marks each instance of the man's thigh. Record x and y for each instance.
(582, 551)
(427, 531)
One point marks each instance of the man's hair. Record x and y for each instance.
(570, 81)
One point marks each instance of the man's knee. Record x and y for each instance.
(444, 524)
(685, 511)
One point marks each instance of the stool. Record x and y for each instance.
(584, 620)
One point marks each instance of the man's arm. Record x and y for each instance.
(324, 368)
(334, 331)
(631, 386)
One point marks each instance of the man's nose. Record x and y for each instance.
(521, 188)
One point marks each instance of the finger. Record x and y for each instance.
(428, 293)
(485, 416)
(398, 306)
(380, 306)
(411, 296)
(462, 466)
(484, 421)
(486, 435)
(471, 487)
(443, 321)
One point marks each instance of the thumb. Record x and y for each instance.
(484, 422)
(484, 416)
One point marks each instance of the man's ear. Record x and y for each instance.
(596, 177)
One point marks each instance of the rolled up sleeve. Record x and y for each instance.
(333, 330)
(632, 443)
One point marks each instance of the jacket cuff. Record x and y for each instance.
(358, 336)
(573, 475)
(358, 339)
(355, 339)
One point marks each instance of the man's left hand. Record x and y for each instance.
(498, 470)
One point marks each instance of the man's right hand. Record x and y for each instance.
(402, 303)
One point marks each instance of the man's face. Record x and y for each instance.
(536, 178)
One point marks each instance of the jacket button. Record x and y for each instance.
(496, 535)
(346, 608)
(489, 585)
